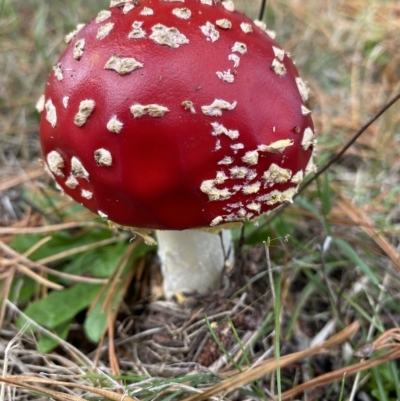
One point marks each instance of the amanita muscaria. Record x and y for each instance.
(177, 115)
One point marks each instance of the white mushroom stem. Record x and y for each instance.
(193, 260)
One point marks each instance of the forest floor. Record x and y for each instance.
(310, 310)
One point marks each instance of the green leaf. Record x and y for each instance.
(23, 288)
(326, 194)
(97, 263)
(349, 251)
(95, 323)
(47, 344)
(61, 306)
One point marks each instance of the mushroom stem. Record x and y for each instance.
(193, 260)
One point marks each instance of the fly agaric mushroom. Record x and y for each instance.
(177, 115)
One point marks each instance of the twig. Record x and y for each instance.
(262, 8)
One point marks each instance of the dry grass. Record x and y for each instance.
(348, 53)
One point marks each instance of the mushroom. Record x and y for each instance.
(177, 117)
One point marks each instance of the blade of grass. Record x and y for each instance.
(381, 389)
(342, 387)
(277, 307)
(220, 346)
(239, 341)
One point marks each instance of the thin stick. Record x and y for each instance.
(262, 8)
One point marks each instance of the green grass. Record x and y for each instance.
(324, 264)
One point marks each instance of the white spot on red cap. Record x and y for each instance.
(214, 194)
(153, 110)
(251, 175)
(147, 11)
(104, 30)
(169, 36)
(246, 27)
(58, 72)
(51, 113)
(277, 175)
(226, 161)
(239, 47)
(188, 105)
(305, 111)
(276, 196)
(279, 53)
(206, 2)
(263, 26)
(251, 157)
(72, 34)
(277, 146)
(216, 221)
(242, 212)
(254, 206)
(40, 104)
(65, 101)
(114, 125)
(251, 189)
(311, 167)
(102, 16)
(220, 129)
(298, 177)
(78, 170)
(228, 5)
(86, 108)
(216, 107)
(260, 24)
(137, 31)
(103, 157)
(238, 172)
(182, 13)
(127, 7)
(102, 215)
(226, 76)
(308, 138)
(86, 194)
(79, 48)
(235, 59)
(278, 67)
(224, 23)
(237, 146)
(209, 30)
(122, 65)
(303, 89)
(220, 178)
(71, 182)
(55, 163)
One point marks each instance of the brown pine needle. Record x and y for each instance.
(22, 381)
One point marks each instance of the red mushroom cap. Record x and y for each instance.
(174, 115)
